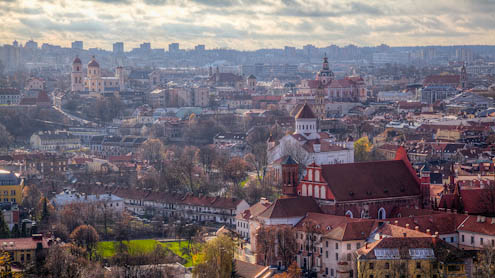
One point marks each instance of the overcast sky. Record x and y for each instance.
(248, 24)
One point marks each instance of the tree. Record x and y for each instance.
(85, 236)
(6, 138)
(6, 266)
(297, 152)
(287, 245)
(4, 229)
(312, 233)
(153, 150)
(31, 198)
(215, 258)
(207, 155)
(362, 149)
(485, 263)
(236, 171)
(265, 244)
(292, 272)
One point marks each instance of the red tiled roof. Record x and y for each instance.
(25, 243)
(353, 230)
(325, 221)
(443, 223)
(28, 101)
(305, 113)
(479, 225)
(249, 270)
(474, 201)
(370, 180)
(291, 207)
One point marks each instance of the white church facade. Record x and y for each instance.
(309, 144)
(93, 81)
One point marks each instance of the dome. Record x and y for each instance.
(93, 63)
(77, 61)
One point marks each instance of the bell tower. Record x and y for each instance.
(290, 177)
(76, 76)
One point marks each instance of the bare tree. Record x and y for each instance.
(298, 153)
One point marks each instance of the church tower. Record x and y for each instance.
(251, 84)
(290, 177)
(76, 76)
(319, 106)
(306, 122)
(119, 72)
(325, 75)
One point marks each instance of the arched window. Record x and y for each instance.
(310, 190)
(317, 175)
(381, 213)
(323, 194)
(310, 174)
(349, 214)
(317, 192)
(304, 190)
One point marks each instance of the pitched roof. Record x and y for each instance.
(443, 223)
(305, 112)
(326, 222)
(441, 250)
(479, 224)
(359, 230)
(291, 207)
(474, 201)
(249, 270)
(370, 180)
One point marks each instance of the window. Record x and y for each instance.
(462, 238)
(326, 270)
(493, 242)
(481, 241)
(348, 246)
(418, 265)
(336, 256)
(331, 271)
(418, 276)
(326, 254)
(12, 192)
(349, 257)
(381, 213)
(358, 245)
(336, 246)
(6, 193)
(472, 239)
(387, 266)
(326, 243)
(451, 239)
(372, 266)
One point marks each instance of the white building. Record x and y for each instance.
(108, 200)
(54, 141)
(310, 145)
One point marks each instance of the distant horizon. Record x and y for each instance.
(249, 25)
(300, 47)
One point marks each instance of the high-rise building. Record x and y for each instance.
(145, 46)
(199, 47)
(77, 45)
(31, 45)
(173, 47)
(118, 48)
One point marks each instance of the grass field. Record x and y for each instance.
(107, 249)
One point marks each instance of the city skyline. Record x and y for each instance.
(248, 25)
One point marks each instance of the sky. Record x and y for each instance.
(248, 24)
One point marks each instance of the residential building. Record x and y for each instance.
(411, 257)
(23, 250)
(11, 186)
(10, 97)
(243, 219)
(109, 201)
(56, 141)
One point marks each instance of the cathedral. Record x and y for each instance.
(325, 86)
(93, 81)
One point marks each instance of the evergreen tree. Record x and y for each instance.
(4, 229)
(45, 214)
(15, 231)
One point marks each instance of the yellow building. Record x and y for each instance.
(11, 186)
(23, 250)
(411, 257)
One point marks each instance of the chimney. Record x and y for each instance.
(407, 226)
(428, 231)
(396, 222)
(381, 236)
(434, 240)
(466, 212)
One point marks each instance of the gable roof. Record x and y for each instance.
(358, 230)
(291, 207)
(370, 180)
(305, 112)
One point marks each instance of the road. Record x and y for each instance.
(57, 106)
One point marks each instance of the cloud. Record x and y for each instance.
(248, 24)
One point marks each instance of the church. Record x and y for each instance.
(375, 189)
(309, 145)
(93, 81)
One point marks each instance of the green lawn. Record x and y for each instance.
(107, 249)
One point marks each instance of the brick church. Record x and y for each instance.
(375, 189)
